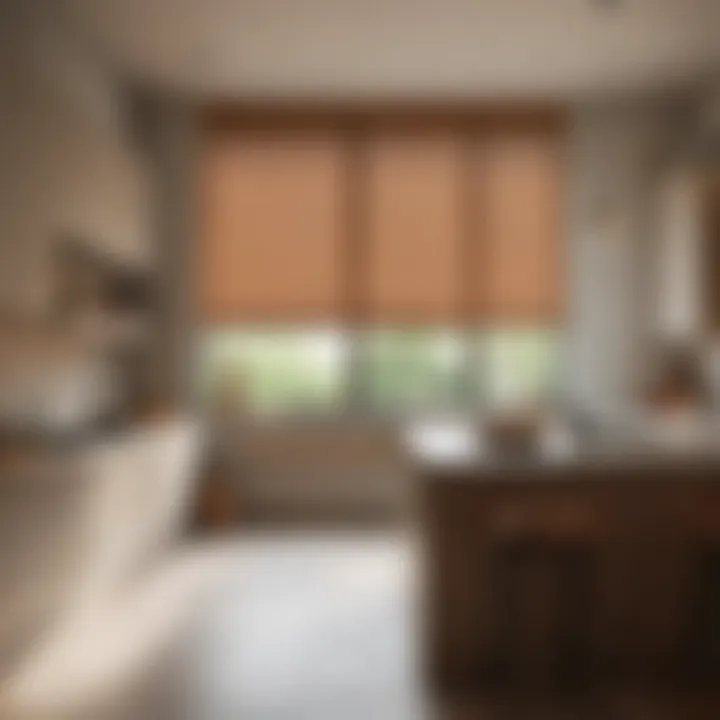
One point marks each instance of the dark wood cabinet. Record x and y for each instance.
(573, 576)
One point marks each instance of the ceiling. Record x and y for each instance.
(379, 48)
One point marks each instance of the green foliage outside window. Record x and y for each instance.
(307, 371)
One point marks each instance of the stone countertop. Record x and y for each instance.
(462, 451)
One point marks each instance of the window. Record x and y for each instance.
(410, 370)
(308, 371)
(271, 372)
(517, 367)
(413, 237)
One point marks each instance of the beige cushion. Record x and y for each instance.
(77, 526)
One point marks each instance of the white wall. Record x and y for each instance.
(615, 153)
(67, 164)
(679, 296)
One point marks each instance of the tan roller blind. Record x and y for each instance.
(412, 227)
(517, 258)
(397, 222)
(272, 216)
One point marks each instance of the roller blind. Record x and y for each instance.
(413, 227)
(517, 259)
(394, 225)
(272, 226)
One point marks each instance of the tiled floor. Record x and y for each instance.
(309, 628)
